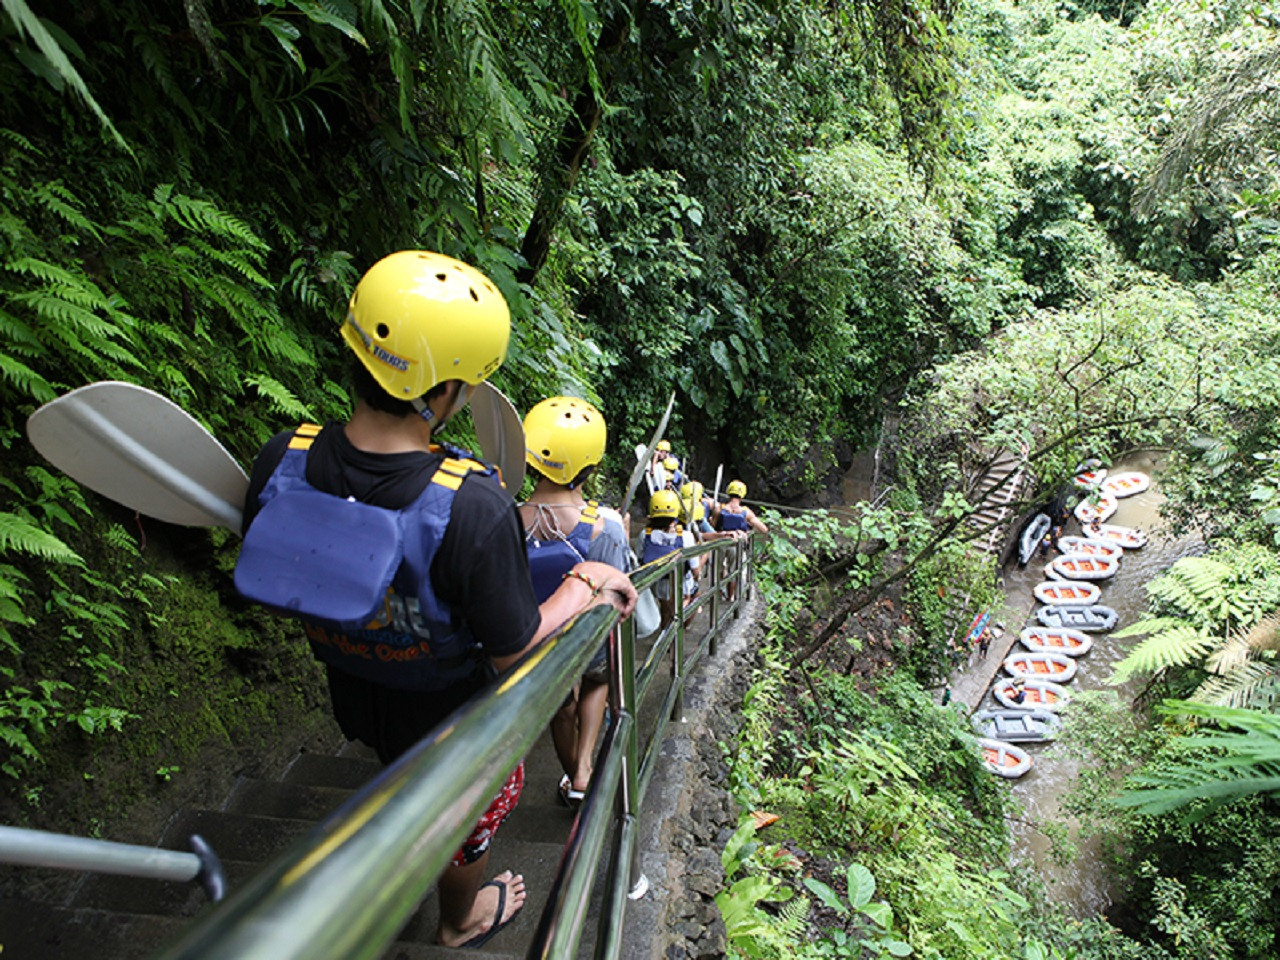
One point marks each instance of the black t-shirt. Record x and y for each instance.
(481, 569)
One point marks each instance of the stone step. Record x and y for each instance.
(31, 930)
(343, 772)
(270, 798)
(234, 836)
(139, 895)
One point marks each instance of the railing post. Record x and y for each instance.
(740, 548)
(622, 696)
(716, 556)
(677, 647)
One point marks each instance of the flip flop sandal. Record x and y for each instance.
(480, 939)
(568, 796)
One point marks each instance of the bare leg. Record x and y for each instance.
(564, 735)
(592, 699)
(466, 910)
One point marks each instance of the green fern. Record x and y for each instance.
(1178, 644)
(19, 535)
(280, 397)
(1220, 765)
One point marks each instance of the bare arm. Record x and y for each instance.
(753, 521)
(574, 596)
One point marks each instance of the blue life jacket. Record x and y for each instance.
(550, 560)
(359, 576)
(732, 521)
(655, 548)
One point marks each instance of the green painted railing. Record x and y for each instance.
(347, 887)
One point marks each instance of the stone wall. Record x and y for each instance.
(688, 814)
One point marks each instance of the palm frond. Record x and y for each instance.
(28, 24)
(1199, 139)
(1252, 684)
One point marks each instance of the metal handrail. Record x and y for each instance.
(345, 888)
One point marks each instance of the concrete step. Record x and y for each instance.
(234, 836)
(343, 772)
(296, 801)
(36, 931)
(138, 895)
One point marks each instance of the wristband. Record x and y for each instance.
(595, 587)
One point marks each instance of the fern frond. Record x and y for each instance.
(200, 216)
(1241, 647)
(1222, 765)
(26, 380)
(61, 202)
(1251, 685)
(18, 534)
(280, 397)
(1176, 646)
(792, 918)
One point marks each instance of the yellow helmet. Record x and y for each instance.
(419, 318)
(563, 437)
(664, 446)
(664, 503)
(671, 463)
(691, 507)
(736, 488)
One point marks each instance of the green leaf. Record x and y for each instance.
(319, 14)
(286, 33)
(826, 895)
(880, 913)
(862, 885)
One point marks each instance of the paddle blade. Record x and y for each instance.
(501, 434)
(643, 462)
(141, 449)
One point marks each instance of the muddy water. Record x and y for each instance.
(1082, 885)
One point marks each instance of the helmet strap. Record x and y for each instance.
(428, 415)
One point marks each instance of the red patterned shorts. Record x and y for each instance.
(474, 847)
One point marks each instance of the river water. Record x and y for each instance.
(1082, 885)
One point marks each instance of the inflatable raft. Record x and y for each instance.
(1066, 591)
(1091, 618)
(1081, 566)
(1128, 538)
(1126, 484)
(1090, 546)
(1044, 694)
(1031, 537)
(1016, 725)
(1073, 643)
(1087, 510)
(1057, 667)
(1004, 759)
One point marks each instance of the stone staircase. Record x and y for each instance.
(125, 918)
(997, 494)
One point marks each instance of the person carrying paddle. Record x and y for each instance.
(564, 442)
(447, 572)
